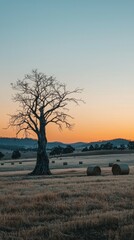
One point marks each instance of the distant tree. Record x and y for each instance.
(1, 155)
(131, 145)
(106, 146)
(102, 146)
(96, 147)
(122, 147)
(115, 147)
(68, 149)
(91, 148)
(85, 149)
(16, 154)
(42, 100)
(56, 151)
(109, 146)
(60, 150)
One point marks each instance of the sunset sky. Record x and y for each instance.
(84, 43)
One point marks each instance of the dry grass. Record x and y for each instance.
(67, 205)
(28, 162)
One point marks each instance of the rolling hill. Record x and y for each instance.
(29, 143)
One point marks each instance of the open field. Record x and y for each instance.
(68, 204)
(25, 164)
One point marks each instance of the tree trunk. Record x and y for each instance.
(42, 163)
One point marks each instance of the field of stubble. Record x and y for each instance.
(67, 205)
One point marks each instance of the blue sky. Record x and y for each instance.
(84, 43)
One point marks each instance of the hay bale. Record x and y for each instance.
(80, 162)
(118, 160)
(93, 171)
(64, 163)
(120, 169)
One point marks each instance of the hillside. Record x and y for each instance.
(29, 143)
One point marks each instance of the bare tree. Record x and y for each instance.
(42, 100)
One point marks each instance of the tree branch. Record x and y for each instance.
(37, 91)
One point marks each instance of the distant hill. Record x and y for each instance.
(29, 143)
(116, 142)
(13, 143)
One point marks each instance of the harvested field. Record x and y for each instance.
(67, 205)
(72, 162)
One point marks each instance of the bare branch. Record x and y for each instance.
(37, 91)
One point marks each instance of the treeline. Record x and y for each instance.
(69, 149)
(15, 154)
(60, 150)
(109, 146)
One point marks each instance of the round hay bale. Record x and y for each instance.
(64, 163)
(118, 160)
(93, 171)
(120, 169)
(80, 162)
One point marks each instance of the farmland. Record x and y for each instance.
(67, 204)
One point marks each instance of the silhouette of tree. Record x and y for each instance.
(42, 100)
(85, 149)
(60, 150)
(1, 155)
(106, 146)
(96, 147)
(122, 147)
(56, 151)
(131, 145)
(16, 154)
(68, 149)
(91, 148)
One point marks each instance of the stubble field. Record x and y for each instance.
(68, 204)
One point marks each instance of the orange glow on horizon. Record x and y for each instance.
(88, 127)
(78, 134)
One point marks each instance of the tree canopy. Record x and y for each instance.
(43, 97)
(42, 100)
